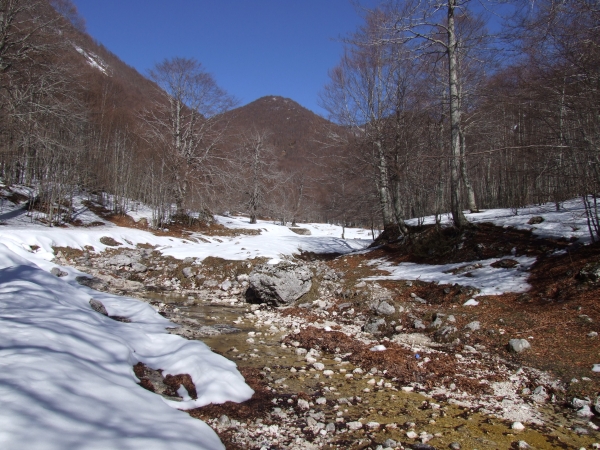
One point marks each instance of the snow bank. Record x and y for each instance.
(489, 280)
(67, 379)
(569, 222)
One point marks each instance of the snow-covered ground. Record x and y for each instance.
(569, 221)
(67, 379)
(489, 280)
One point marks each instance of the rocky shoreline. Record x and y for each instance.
(342, 363)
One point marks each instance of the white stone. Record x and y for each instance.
(517, 426)
(411, 435)
(318, 366)
(354, 425)
(303, 404)
(378, 348)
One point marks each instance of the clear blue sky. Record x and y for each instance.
(253, 48)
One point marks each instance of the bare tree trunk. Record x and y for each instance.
(460, 221)
(391, 230)
(471, 203)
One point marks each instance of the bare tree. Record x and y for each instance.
(432, 26)
(363, 95)
(254, 172)
(185, 125)
(68, 10)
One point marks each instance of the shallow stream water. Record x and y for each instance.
(371, 397)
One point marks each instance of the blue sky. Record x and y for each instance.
(253, 48)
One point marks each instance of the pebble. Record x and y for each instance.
(518, 345)
(321, 401)
(319, 366)
(473, 326)
(328, 373)
(378, 348)
(517, 426)
(303, 404)
(373, 425)
(354, 425)
(411, 435)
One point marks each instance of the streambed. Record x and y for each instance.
(346, 406)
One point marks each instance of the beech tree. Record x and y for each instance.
(185, 126)
(253, 171)
(429, 27)
(363, 95)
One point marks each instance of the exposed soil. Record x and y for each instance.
(432, 245)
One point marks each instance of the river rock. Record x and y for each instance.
(354, 425)
(224, 421)
(98, 307)
(57, 272)
(539, 394)
(473, 326)
(138, 267)
(373, 325)
(279, 284)
(303, 404)
(92, 282)
(446, 334)
(418, 324)
(518, 345)
(384, 308)
(517, 426)
(439, 320)
(590, 272)
(119, 260)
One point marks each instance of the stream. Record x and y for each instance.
(341, 394)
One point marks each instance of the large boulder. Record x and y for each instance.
(280, 284)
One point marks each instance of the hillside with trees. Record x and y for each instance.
(427, 115)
